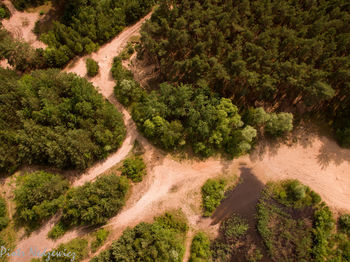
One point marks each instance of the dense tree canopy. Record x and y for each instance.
(55, 119)
(94, 203)
(274, 53)
(85, 25)
(38, 196)
(160, 241)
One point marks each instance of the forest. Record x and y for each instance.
(282, 55)
(85, 25)
(56, 119)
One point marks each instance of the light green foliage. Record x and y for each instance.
(39, 196)
(233, 228)
(257, 117)
(91, 67)
(279, 124)
(161, 241)
(101, 236)
(94, 203)
(4, 220)
(175, 116)
(128, 91)
(78, 248)
(134, 168)
(293, 193)
(57, 231)
(200, 248)
(212, 193)
(57, 119)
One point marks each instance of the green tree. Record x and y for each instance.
(91, 67)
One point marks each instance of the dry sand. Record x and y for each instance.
(21, 25)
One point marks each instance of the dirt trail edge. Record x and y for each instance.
(316, 161)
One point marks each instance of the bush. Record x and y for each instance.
(94, 203)
(91, 67)
(57, 231)
(38, 196)
(119, 73)
(200, 248)
(128, 91)
(279, 124)
(344, 223)
(212, 194)
(101, 236)
(134, 168)
(74, 250)
(161, 241)
(4, 220)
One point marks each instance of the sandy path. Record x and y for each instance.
(318, 162)
(21, 25)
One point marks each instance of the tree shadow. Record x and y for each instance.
(331, 152)
(242, 199)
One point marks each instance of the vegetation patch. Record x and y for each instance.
(91, 67)
(100, 237)
(94, 203)
(200, 248)
(213, 192)
(280, 55)
(161, 241)
(4, 220)
(57, 119)
(39, 196)
(77, 247)
(134, 168)
(4, 11)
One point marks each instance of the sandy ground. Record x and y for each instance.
(315, 160)
(21, 25)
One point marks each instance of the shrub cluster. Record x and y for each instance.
(212, 193)
(39, 196)
(91, 67)
(200, 248)
(134, 168)
(161, 241)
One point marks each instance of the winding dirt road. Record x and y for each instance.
(315, 160)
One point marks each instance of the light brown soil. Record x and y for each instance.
(21, 25)
(315, 160)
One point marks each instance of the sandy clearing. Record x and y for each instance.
(5, 64)
(315, 160)
(21, 25)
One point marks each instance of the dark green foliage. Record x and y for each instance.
(94, 203)
(200, 248)
(91, 67)
(85, 25)
(4, 11)
(38, 196)
(101, 236)
(77, 247)
(212, 193)
(23, 4)
(20, 54)
(134, 168)
(344, 223)
(175, 116)
(278, 53)
(233, 228)
(56, 119)
(119, 73)
(4, 220)
(160, 241)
